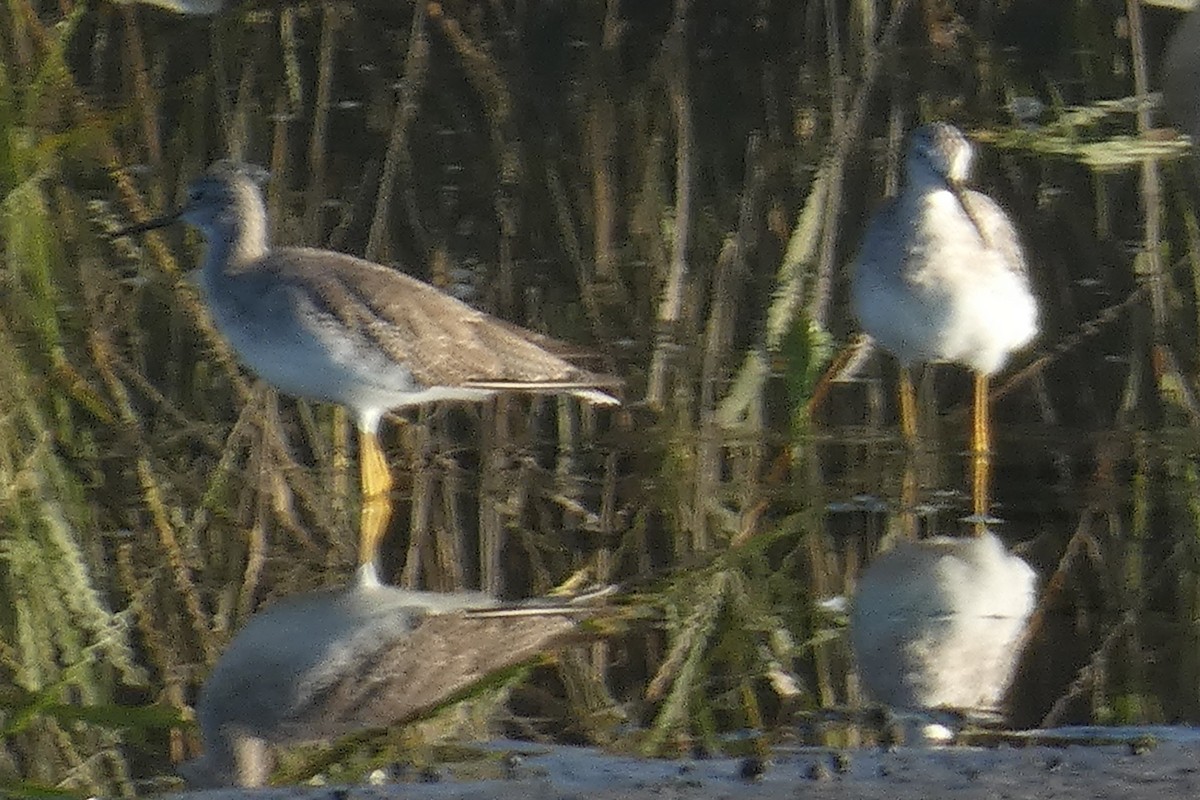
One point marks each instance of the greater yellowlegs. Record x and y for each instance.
(939, 622)
(941, 277)
(324, 664)
(328, 326)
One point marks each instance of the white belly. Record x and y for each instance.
(937, 293)
(306, 361)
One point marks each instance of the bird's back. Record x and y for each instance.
(388, 332)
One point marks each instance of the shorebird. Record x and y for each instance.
(327, 326)
(323, 664)
(941, 277)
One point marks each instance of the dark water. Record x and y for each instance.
(556, 165)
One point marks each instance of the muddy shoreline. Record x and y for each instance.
(1146, 767)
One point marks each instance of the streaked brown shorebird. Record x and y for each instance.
(327, 326)
(324, 664)
(941, 277)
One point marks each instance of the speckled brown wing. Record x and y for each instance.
(443, 341)
(444, 655)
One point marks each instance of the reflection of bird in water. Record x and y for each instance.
(938, 623)
(941, 277)
(320, 665)
(328, 326)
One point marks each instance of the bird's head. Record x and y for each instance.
(941, 149)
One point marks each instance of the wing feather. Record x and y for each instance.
(441, 340)
(995, 228)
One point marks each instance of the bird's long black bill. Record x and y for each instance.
(149, 225)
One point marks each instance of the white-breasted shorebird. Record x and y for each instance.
(941, 276)
(327, 326)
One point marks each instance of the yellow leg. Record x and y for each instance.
(376, 500)
(980, 453)
(909, 491)
(909, 486)
(908, 407)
